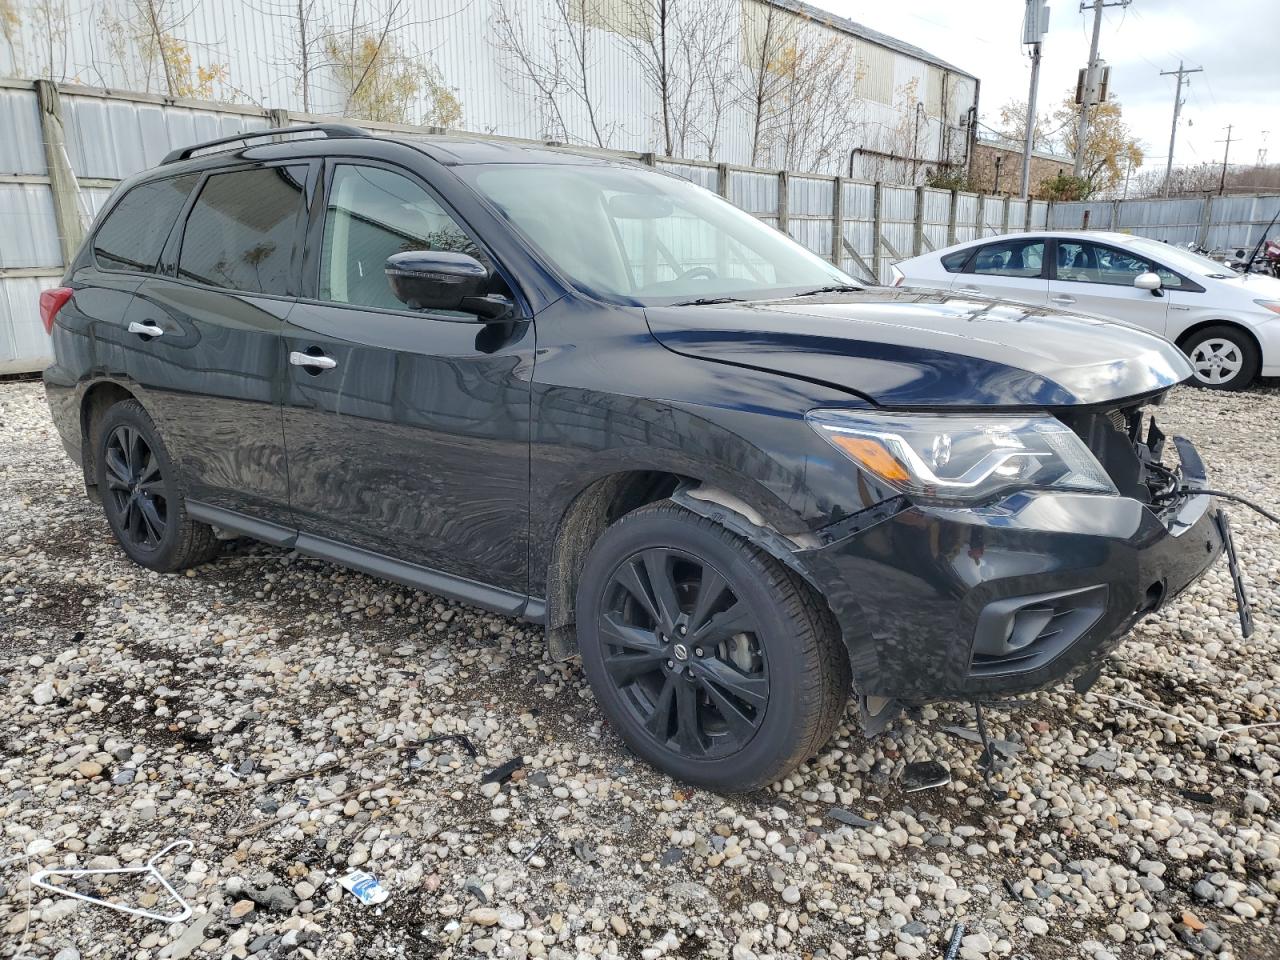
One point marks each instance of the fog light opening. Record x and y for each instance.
(1154, 597)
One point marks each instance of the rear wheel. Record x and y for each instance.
(142, 496)
(715, 663)
(1223, 357)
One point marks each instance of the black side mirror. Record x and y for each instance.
(436, 279)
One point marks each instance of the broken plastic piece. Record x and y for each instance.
(953, 945)
(38, 880)
(925, 775)
(849, 819)
(365, 887)
(503, 772)
(459, 738)
(538, 844)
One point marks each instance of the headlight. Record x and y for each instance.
(962, 458)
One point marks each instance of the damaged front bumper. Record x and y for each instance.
(942, 603)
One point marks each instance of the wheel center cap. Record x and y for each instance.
(680, 651)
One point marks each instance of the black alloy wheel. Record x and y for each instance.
(681, 648)
(136, 488)
(142, 493)
(711, 659)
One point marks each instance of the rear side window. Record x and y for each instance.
(954, 262)
(136, 228)
(241, 230)
(1011, 258)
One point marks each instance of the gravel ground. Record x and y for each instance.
(274, 711)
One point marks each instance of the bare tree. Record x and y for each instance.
(376, 73)
(51, 24)
(682, 49)
(145, 39)
(769, 34)
(816, 123)
(556, 57)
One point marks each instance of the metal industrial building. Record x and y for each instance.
(908, 111)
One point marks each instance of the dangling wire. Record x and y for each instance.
(1226, 496)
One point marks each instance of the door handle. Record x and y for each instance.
(147, 329)
(968, 290)
(1063, 299)
(1174, 306)
(319, 361)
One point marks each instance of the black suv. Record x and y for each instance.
(588, 394)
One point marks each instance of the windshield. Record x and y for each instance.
(1182, 260)
(641, 237)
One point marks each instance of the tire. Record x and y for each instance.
(1224, 357)
(142, 494)
(763, 690)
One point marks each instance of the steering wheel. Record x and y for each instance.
(698, 273)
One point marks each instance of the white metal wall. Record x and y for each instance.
(255, 46)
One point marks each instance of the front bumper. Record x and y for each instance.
(918, 591)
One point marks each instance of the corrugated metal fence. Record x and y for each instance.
(1215, 223)
(93, 138)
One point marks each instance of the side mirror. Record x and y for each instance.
(1147, 281)
(435, 279)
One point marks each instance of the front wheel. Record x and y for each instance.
(715, 663)
(1223, 358)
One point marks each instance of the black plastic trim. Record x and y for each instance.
(506, 602)
(272, 533)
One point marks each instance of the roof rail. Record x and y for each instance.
(335, 130)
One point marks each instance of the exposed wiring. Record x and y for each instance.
(1219, 732)
(1225, 496)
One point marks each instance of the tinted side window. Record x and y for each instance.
(136, 228)
(373, 213)
(1084, 262)
(1010, 258)
(241, 230)
(954, 262)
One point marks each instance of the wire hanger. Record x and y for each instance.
(38, 880)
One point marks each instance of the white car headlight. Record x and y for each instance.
(962, 458)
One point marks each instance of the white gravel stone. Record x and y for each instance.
(278, 694)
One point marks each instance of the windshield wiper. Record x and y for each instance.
(707, 301)
(834, 289)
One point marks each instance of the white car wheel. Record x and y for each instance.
(1223, 358)
(1216, 361)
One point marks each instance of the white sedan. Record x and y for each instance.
(1227, 323)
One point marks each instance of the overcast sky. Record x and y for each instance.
(1236, 41)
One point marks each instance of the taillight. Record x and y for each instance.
(51, 301)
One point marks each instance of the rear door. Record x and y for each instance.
(207, 331)
(408, 436)
(1012, 269)
(1097, 278)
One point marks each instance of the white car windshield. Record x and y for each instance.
(635, 236)
(1184, 261)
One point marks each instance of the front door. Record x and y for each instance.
(1098, 279)
(407, 431)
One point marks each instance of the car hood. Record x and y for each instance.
(906, 348)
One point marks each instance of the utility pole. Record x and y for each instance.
(1222, 183)
(1035, 24)
(1091, 78)
(1262, 150)
(1181, 74)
